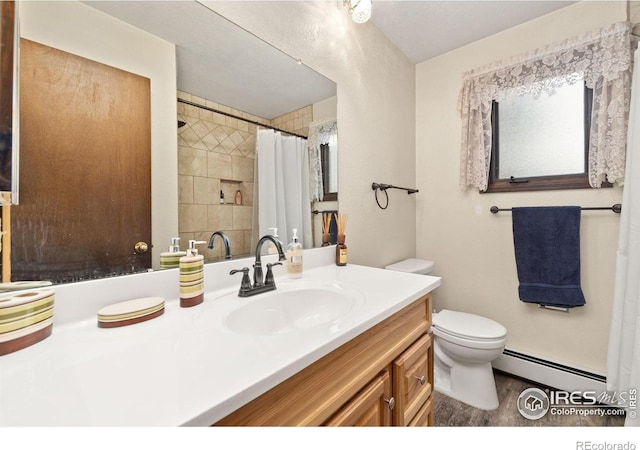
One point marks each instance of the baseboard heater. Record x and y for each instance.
(549, 373)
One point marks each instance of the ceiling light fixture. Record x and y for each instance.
(360, 10)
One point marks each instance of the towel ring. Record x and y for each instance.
(386, 195)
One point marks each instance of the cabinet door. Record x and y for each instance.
(424, 417)
(412, 380)
(369, 407)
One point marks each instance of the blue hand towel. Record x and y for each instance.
(333, 226)
(547, 250)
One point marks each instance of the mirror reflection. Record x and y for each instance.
(8, 60)
(230, 85)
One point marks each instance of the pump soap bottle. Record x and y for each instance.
(171, 259)
(192, 276)
(272, 250)
(294, 257)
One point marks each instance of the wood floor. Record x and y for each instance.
(452, 413)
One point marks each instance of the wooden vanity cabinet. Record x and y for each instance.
(369, 407)
(413, 381)
(356, 384)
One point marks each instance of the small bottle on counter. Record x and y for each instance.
(341, 251)
(294, 257)
(192, 276)
(238, 198)
(221, 197)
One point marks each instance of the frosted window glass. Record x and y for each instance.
(543, 136)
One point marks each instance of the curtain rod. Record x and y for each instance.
(233, 116)
(617, 208)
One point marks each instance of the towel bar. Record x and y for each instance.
(617, 208)
(554, 308)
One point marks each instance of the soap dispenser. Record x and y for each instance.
(272, 249)
(171, 259)
(192, 276)
(294, 257)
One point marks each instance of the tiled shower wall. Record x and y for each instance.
(296, 121)
(217, 153)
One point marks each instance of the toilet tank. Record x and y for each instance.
(412, 265)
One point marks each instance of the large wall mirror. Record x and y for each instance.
(216, 93)
(8, 104)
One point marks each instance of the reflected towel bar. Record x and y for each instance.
(617, 208)
(554, 308)
(384, 187)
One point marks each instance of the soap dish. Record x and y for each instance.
(25, 319)
(130, 312)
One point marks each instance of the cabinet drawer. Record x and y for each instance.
(368, 408)
(413, 380)
(424, 417)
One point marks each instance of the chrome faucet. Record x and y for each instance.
(261, 283)
(225, 240)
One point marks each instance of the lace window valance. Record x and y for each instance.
(320, 132)
(603, 58)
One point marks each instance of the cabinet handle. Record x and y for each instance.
(391, 402)
(421, 379)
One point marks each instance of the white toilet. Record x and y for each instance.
(464, 346)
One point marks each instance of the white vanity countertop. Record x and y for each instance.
(184, 367)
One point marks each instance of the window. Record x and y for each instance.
(329, 160)
(541, 143)
(601, 58)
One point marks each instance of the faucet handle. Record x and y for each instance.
(268, 279)
(245, 284)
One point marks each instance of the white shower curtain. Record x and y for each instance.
(623, 358)
(283, 186)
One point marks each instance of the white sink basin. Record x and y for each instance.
(293, 307)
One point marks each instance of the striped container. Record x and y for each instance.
(191, 280)
(25, 319)
(170, 260)
(130, 312)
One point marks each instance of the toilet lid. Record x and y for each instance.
(468, 325)
(412, 265)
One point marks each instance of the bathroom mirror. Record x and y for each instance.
(8, 106)
(247, 62)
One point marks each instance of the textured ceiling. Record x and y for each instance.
(428, 28)
(220, 61)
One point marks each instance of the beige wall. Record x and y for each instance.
(376, 113)
(472, 248)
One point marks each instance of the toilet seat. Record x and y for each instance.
(468, 330)
(479, 344)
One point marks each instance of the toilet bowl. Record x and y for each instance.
(464, 346)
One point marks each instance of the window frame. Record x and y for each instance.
(324, 163)
(548, 182)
